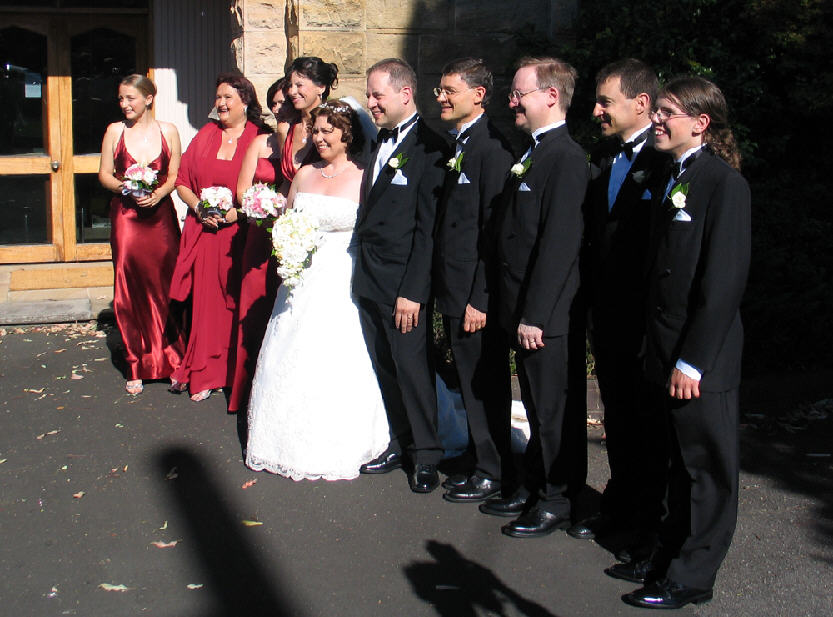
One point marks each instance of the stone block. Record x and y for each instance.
(46, 311)
(499, 51)
(265, 54)
(346, 49)
(265, 15)
(517, 17)
(354, 86)
(381, 46)
(333, 14)
(410, 14)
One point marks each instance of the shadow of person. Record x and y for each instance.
(236, 576)
(457, 587)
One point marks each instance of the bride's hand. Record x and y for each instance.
(406, 315)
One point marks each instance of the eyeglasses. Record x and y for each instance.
(662, 115)
(448, 92)
(517, 95)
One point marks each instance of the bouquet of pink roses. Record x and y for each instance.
(261, 201)
(139, 180)
(216, 200)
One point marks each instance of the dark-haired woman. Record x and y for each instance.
(310, 81)
(208, 267)
(145, 234)
(316, 410)
(700, 252)
(259, 276)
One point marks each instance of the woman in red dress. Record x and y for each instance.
(259, 279)
(144, 234)
(211, 249)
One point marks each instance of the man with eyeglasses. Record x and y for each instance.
(538, 242)
(617, 221)
(463, 274)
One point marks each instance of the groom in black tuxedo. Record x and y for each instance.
(464, 274)
(538, 242)
(392, 277)
(617, 220)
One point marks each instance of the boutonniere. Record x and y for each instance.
(455, 162)
(519, 169)
(398, 161)
(639, 176)
(678, 196)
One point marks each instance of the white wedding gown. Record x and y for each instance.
(315, 409)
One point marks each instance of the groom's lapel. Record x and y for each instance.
(387, 172)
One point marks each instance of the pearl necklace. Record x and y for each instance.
(330, 177)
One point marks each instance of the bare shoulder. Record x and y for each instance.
(168, 128)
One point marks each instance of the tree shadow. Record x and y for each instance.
(237, 576)
(458, 587)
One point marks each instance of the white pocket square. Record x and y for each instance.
(524, 187)
(399, 178)
(463, 179)
(646, 194)
(682, 215)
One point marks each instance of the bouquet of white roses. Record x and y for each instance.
(139, 180)
(294, 237)
(261, 201)
(216, 200)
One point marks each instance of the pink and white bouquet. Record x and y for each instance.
(139, 180)
(216, 200)
(295, 237)
(261, 201)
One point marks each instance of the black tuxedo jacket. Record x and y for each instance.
(539, 236)
(396, 221)
(462, 255)
(697, 274)
(616, 239)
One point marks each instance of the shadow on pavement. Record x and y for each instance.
(238, 578)
(458, 587)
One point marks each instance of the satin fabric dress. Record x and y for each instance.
(144, 243)
(258, 288)
(208, 267)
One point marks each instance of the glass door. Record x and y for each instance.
(58, 76)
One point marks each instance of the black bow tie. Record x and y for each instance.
(681, 166)
(628, 147)
(386, 134)
(463, 136)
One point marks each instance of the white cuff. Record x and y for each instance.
(689, 371)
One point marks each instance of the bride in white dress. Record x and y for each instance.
(315, 409)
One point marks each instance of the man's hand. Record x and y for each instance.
(530, 337)
(473, 320)
(681, 386)
(405, 315)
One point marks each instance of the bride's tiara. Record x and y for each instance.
(342, 109)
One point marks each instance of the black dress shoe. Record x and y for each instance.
(473, 490)
(595, 526)
(383, 464)
(644, 571)
(424, 478)
(455, 481)
(666, 593)
(536, 523)
(506, 506)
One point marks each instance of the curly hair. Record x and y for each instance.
(247, 94)
(314, 68)
(696, 96)
(341, 116)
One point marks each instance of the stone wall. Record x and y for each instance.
(427, 33)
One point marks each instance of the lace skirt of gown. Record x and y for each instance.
(315, 409)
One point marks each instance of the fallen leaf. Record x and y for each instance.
(53, 593)
(77, 376)
(172, 474)
(194, 585)
(248, 483)
(60, 350)
(159, 544)
(109, 587)
(33, 391)
(42, 435)
(124, 469)
(79, 494)
(99, 359)
(59, 407)
(251, 523)
(119, 425)
(164, 526)
(3, 460)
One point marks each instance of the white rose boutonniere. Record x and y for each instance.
(398, 161)
(455, 162)
(678, 196)
(519, 169)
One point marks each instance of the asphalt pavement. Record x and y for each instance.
(116, 505)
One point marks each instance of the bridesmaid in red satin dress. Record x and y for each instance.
(259, 280)
(144, 235)
(210, 254)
